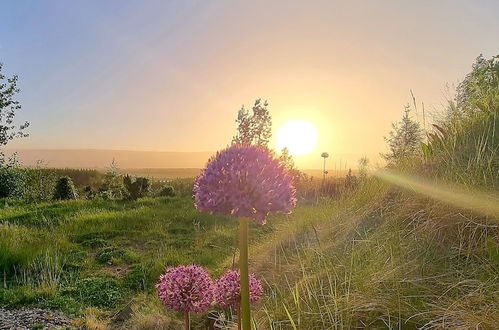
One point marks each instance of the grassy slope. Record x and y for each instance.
(379, 258)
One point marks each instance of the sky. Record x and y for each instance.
(171, 75)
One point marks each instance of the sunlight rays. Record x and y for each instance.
(477, 201)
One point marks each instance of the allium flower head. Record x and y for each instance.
(186, 289)
(244, 181)
(228, 289)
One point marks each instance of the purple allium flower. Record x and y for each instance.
(228, 289)
(244, 181)
(186, 289)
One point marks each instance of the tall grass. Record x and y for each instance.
(394, 262)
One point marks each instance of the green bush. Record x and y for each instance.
(136, 189)
(167, 191)
(88, 192)
(65, 189)
(12, 183)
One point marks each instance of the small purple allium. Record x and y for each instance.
(244, 181)
(228, 289)
(186, 289)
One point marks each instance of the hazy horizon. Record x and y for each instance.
(171, 76)
(101, 158)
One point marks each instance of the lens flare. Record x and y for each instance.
(480, 202)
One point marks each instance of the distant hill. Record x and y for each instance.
(96, 158)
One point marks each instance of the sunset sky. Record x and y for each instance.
(171, 75)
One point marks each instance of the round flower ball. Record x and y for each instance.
(228, 289)
(244, 181)
(186, 289)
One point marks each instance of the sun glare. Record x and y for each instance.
(299, 136)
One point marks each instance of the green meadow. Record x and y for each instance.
(376, 257)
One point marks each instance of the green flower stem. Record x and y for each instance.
(243, 266)
(187, 321)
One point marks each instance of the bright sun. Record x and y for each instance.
(299, 136)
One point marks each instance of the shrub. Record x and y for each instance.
(65, 189)
(112, 186)
(12, 183)
(136, 189)
(88, 192)
(167, 191)
(40, 184)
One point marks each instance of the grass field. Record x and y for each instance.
(77, 254)
(379, 257)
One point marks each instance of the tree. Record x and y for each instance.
(404, 139)
(8, 108)
(286, 159)
(254, 128)
(112, 187)
(65, 189)
(479, 86)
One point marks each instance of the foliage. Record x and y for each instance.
(479, 88)
(464, 145)
(286, 159)
(88, 192)
(254, 128)
(8, 108)
(65, 189)
(404, 140)
(40, 183)
(80, 176)
(12, 183)
(136, 189)
(167, 191)
(112, 187)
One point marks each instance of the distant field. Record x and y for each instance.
(163, 173)
(172, 173)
